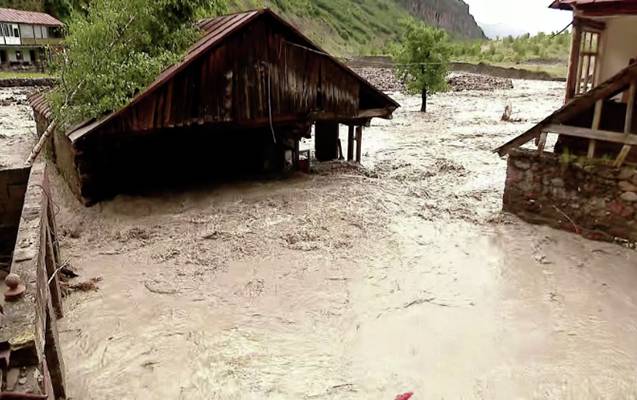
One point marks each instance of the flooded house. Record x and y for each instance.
(24, 37)
(588, 183)
(239, 102)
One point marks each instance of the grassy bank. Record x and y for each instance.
(23, 75)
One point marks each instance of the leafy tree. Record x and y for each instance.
(116, 49)
(422, 59)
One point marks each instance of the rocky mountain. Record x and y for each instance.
(451, 15)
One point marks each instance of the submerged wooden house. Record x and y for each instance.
(239, 102)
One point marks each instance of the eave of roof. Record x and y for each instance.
(216, 30)
(28, 17)
(597, 7)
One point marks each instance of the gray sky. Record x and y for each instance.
(522, 15)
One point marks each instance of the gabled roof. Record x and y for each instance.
(216, 31)
(610, 88)
(28, 17)
(601, 7)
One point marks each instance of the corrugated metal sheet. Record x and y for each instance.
(40, 104)
(28, 17)
(595, 4)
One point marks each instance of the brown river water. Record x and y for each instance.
(353, 282)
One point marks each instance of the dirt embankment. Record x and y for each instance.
(384, 62)
(386, 80)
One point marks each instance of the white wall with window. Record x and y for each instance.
(34, 31)
(10, 34)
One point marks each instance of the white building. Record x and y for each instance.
(24, 35)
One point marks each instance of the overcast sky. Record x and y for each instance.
(522, 15)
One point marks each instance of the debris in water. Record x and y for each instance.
(87, 286)
(508, 110)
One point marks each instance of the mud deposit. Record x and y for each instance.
(353, 283)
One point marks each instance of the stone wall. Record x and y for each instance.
(28, 324)
(594, 200)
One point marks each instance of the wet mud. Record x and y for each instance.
(352, 282)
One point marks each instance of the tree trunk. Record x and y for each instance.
(424, 100)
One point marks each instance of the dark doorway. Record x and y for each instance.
(3, 57)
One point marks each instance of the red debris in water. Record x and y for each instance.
(405, 396)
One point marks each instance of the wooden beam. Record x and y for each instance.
(573, 63)
(541, 143)
(597, 120)
(628, 124)
(607, 136)
(359, 143)
(350, 143)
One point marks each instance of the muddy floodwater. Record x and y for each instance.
(352, 282)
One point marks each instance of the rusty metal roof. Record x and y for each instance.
(216, 30)
(611, 5)
(28, 17)
(40, 104)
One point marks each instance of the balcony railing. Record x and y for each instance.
(41, 42)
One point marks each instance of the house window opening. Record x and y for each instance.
(588, 62)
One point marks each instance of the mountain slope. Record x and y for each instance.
(450, 15)
(344, 27)
(350, 27)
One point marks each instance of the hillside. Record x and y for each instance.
(353, 27)
(345, 27)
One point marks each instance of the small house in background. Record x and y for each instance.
(24, 36)
(239, 103)
(588, 184)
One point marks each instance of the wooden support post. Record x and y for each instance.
(350, 143)
(542, 142)
(53, 354)
(359, 143)
(597, 119)
(296, 154)
(326, 141)
(628, 124)
(573, 65)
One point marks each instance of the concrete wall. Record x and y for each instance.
(13, 184)
(12, 56)
(596, 201)
(619, 45)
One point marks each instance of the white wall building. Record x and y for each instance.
(24, 35)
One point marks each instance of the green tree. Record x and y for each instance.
(113, 50)
(116, 49)
(422, 59)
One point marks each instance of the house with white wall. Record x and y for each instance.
(24, 35)
(604, 41)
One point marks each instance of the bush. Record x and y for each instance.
(115, 49)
